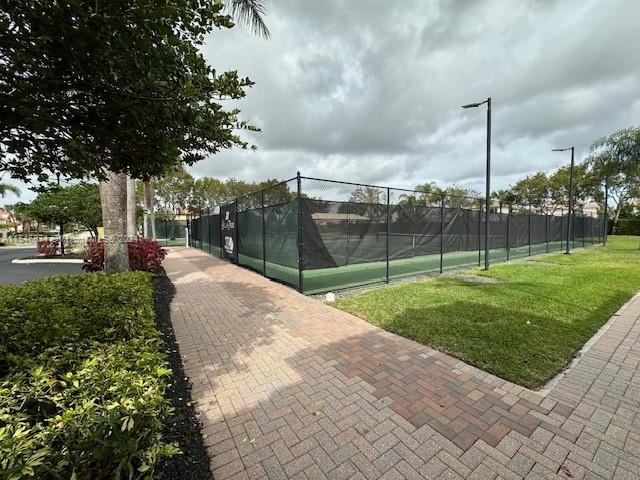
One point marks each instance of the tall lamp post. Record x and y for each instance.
(488, 180)
(570, 220)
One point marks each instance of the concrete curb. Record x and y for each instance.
(28, 261)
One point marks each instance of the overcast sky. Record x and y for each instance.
(370, 90)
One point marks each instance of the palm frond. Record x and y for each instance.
(7, 188)
(249, 13)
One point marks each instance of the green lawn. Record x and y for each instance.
(524, 328)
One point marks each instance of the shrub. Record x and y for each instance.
(83, 379)
(94, 261)
(48, 247)
(627, 226)
(145, 254)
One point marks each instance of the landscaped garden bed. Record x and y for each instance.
(183, 425)
(85, 382)
(527, 326)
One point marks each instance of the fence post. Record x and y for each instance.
(441, 231)
(606, 211)
(561, 227)
(166, 233)
(387, 238)
(220, 236)
(200, 225)
(235, 219)
(209, 222)
(264, 238)
(346, 253)
(529, 230)
(486, 247)
(413, 231)
(508, 230)
(546, 230)
(572, 213)
(584, 233)
(300, 265)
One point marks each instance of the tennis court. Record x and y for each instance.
(168, 233)
(317, 235)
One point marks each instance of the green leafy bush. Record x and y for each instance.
(627, 226)
(82, 379)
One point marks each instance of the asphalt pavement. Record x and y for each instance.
(18, 273)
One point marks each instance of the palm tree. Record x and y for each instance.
(504, 197)
(249, 13)
(8, 188)
(113, 199)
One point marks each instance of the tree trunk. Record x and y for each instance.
(113, 200)
(616, 216)
(150, 221)
(132, 230)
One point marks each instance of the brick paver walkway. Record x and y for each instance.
(288, 387)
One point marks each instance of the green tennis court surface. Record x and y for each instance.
(359, 274)
(172, 242)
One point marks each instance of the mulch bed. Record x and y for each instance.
(184, 426)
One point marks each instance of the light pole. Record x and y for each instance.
(488, 186)
(570, 220)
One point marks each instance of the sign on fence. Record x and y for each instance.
(229, 232)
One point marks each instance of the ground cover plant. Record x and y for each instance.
(82, 379)
(527, 326)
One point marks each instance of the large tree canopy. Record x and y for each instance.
(88, 86)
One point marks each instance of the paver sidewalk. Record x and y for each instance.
(288, 387)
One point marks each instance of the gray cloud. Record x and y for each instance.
(370, 90)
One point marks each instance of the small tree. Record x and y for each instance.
(366, 195)
(615, 160)
(77, 204)
(173, 192)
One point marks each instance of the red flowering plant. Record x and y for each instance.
(94, 262)
(48, 248)
(144, 254)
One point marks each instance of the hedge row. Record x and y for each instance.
(628, 226)
(82, 379)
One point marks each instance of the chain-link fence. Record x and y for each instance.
(168, 233)
(321, 235)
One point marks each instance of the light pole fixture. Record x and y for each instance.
(570, 220)
(488, 180)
